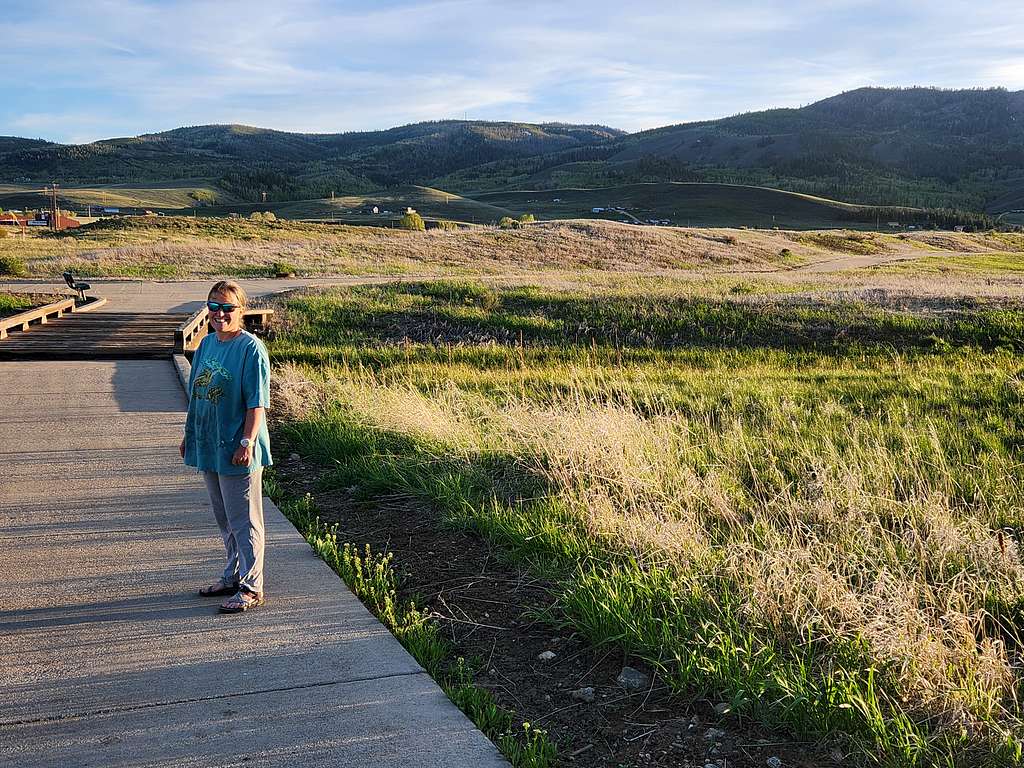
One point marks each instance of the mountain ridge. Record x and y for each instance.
(893, 146)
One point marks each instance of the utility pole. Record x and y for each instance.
(54, 212)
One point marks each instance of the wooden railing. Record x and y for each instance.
(256, 319)
(192, 331)
(42, 315)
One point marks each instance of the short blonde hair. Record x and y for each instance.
(225, 287)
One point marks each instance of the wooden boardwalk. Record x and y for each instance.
(96, 336)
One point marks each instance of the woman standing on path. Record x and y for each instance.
(226, 439)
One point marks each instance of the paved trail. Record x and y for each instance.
(178, 295)
(107, 658)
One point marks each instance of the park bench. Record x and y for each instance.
(69, 278)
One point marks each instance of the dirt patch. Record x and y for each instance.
(500, 618)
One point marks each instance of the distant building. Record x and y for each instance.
(12, 219)
(597, 210)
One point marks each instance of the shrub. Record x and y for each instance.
(203, 196)
(12, 266)
(447, 226)
(412, 221)
(283, 269)
(527, 218)
(507, 222)
(264, 217)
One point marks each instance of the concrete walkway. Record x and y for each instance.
(178, 295)
(106, 656)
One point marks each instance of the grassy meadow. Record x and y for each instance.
(168, 247)
(806, 508)
(12, 304)
(164, 195)
(685, 204)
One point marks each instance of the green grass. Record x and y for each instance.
(685, 204)
(12, 303)
(429, 202)
(12, 266)
(980, 263)
(811, 512)
(373, 579)
(168, 195)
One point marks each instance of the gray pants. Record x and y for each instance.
(238, 506)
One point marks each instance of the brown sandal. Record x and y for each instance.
(241, 601)
(218, 588)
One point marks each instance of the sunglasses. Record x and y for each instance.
(215, 306)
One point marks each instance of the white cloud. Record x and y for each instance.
(130, 67)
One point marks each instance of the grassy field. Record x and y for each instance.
(13, 303)
(987, 263)
(684, 204)
(154, 195)
(431, 203)
(167, 247)
(808, 509)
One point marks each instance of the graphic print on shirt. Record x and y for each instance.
(206, 385)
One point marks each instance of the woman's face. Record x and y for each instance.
(226, 322)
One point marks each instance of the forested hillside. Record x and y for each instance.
(922, 147)
(248, 161)
(919, 147)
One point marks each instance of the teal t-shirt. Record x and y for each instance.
(228, 378)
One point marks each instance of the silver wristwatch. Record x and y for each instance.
(245, 442)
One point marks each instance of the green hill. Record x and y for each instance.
(429, 202)
(917, 147)
(921, 147)
(169, 195)
(246, 161)
(703, 205)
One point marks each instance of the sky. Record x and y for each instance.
(78, 72)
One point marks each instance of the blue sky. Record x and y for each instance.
(83, 71)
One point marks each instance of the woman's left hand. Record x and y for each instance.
(242, 457)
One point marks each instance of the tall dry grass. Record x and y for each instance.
(823, 525)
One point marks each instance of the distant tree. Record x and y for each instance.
(507, 222)
(527, 218)
(203, 196)
(447, 226)
(413, 221)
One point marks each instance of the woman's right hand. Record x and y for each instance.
(181, 448)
